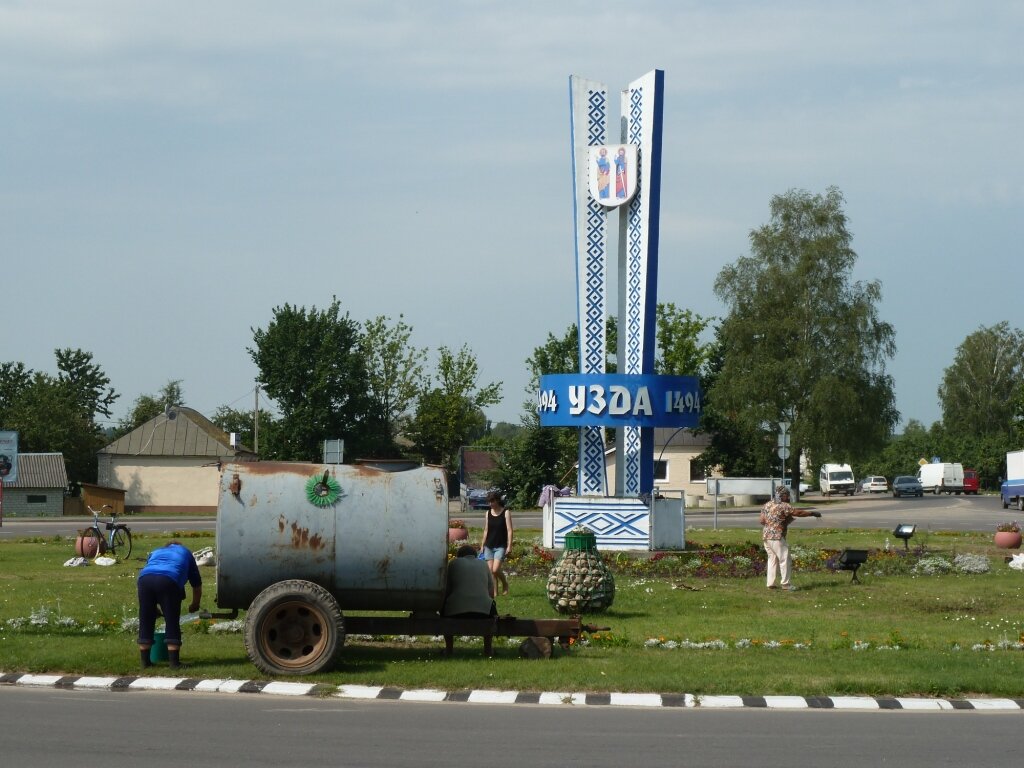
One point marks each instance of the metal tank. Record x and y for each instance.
(374, 536)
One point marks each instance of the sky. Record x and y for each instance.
(172, 172)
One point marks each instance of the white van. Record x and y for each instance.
(836, 478)
(941, 478)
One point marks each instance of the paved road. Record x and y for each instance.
(52, 727)
(935, 513)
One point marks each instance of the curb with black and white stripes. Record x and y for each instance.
(383, 693)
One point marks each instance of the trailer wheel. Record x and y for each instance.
(1020, 503)
(294, 627)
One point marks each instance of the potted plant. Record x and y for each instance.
(1008, 535)
(457, 530)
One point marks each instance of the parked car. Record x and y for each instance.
(476, 498)
(804, 487)
(906, 485)
(876, 484)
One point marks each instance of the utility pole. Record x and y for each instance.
(256, 421)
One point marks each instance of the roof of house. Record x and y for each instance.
(40, 470)
(180, 431)
(478, 461)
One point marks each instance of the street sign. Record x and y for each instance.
(784, 440)
(784, 426)
(783, 453)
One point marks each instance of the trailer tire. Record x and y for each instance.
(1020, 503)
(294, 627)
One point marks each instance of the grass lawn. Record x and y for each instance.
(699, 622)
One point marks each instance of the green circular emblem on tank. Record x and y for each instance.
(322, 490)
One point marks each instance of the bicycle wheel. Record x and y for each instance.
(121, 542)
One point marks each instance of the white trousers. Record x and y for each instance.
(778, 558)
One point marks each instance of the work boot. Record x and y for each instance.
(174, 658)
(144, 659)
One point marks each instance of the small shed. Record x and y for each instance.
(40, 487)
(96, 496)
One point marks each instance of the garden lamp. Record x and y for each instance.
(904, 531)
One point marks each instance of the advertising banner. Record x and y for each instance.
(8, 456)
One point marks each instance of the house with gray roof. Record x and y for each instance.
(171, 464)
(40, 487)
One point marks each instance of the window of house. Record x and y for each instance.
(661, 471)
(697, 473)
(35, 498)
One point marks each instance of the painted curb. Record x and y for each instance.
(484, 696)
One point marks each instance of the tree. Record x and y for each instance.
(394, 372)
(58, 414)
(311, 366)
(680, 351)
(449, 415)
(86, 381)
(801, 342)
(15, 378)
(48, 419)
(532, 458)
(978, 391)
(739, 448)
(148, 406)
(1017, 417)
(242, 423)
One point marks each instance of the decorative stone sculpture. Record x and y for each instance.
(580, 582)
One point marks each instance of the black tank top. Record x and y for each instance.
(497, 531)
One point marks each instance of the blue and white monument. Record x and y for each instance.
(619, 178)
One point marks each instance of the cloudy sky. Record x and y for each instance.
(172, 171)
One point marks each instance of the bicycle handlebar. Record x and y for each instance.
(97, 512)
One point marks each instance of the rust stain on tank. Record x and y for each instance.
(383, 566)
(300, 536)
(275, 468)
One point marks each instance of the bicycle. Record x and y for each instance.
(118, 537)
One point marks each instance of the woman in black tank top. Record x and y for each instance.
(497, 539)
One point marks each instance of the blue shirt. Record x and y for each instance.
(175, 562)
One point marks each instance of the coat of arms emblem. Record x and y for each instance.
(612, 173)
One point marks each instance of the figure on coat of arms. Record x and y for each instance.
(620, 173)
(603, 174)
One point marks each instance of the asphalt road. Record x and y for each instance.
(934, 513)
(53, 727)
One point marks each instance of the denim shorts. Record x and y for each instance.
(498, 553)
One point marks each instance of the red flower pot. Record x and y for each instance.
(1007, 539)
(457, 534)
(86, 546)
